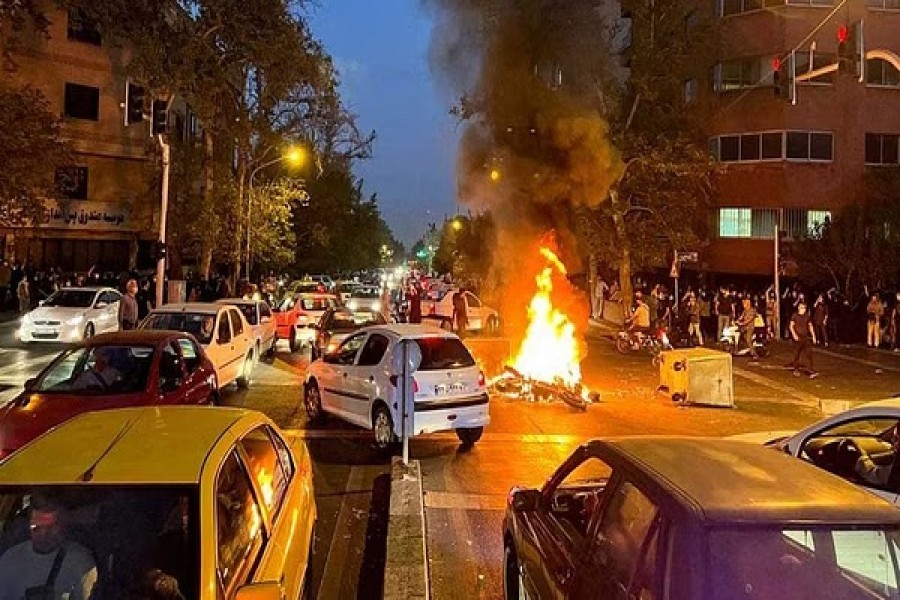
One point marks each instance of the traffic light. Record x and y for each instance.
(850, 48)
(159, 117)
(134, 103)
(159, 250)
(782, 78)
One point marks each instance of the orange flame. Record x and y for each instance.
(550, 351)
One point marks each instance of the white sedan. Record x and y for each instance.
(259, 316)
(223, 331)
(836, 443)
(72, 314)
(438, 306)
(357, 383)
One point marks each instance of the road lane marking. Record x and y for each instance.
(803, 397)
(462, 501)
(861, 361)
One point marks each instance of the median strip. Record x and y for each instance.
(406, 567)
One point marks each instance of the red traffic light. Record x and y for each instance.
(776, 64)
(843, 33)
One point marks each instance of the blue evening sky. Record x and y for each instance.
(380, 48)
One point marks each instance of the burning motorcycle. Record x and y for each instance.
(731, 341)
(654, 342)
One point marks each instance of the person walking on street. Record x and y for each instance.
(415, 305)
(460, 317)
(820, 320)
(24, 294)
(693, 310)
(600, 291)
(747, 323)
(895, 325)
(874, 312)
(128, 307)
(724, 311)
(802, 332)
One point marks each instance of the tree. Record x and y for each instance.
(31, 143)
(273, 239)
(461, 248)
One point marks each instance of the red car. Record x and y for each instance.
(297, 315)
(114, 370)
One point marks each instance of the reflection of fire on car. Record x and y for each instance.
(261, 321)
(836, 443)
(72, 314)
(111, 370)
(337, 324)
(221, 328)
(437, 305)
(357, 383)
(689, 518)
(235, 509)
(297, 315)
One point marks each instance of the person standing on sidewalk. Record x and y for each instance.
(895, 324)
(820, 320)
(128, 307)
(874, 312)
(24, 294)
(802, 332)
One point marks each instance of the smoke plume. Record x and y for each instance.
(535, 145)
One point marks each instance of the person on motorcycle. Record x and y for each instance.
(639, 321)
(747, 323)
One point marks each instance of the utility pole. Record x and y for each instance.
(164, 210)
(777, 307)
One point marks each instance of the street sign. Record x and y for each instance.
(688, 257)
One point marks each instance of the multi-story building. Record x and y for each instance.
(106, 211)
(791, 160)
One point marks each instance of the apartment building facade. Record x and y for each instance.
(106, 209)
(792, 160)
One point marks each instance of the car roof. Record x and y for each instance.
(117, 443)
(237, 301)
(413, 331)
(134, 336)
(87, 288)
(316, 295)
(732, 482)
(203, 308)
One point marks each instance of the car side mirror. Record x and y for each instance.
(101, 305)
(30, 384)
(41, 302)
(525, 499)
(270, 590)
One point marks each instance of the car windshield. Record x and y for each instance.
(816, 563)
(249, 311)
(71, 299)
(98, 370)
(443, 353)
(365, 293)
(201, 325)
(132, 540)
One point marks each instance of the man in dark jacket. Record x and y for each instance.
(460, 316)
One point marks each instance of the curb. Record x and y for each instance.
(406, 565)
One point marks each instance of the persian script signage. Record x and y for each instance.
(88, 215)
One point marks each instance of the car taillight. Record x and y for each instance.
(395, 381)
(432, 310)
(481, 379)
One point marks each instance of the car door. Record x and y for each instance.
(556, 534)
(241, 535)
(198, 386)
(334, 382)
(99, 313)
(241, 332)
(171, 375)
(625, 558)
(221, 350)
(474, 312)
(266, 325)
(287, 506)
(362, 383)
(113, 299)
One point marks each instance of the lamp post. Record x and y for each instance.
(295, 156)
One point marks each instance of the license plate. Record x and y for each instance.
(449, 388)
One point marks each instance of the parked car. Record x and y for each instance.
(357, 383)
(72, 314)
(689, 518)
(437, 306)
(223, 331)
(836, 443)
(365, 297)
(111, 370)
(199, 502)
(336, 324)
(262, 322)
(297, 315)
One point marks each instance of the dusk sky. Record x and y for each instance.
(381, 50)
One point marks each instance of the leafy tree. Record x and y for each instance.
(31, 142)
(461, 248)
(273, 239)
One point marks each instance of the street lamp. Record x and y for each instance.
(495, 175)
(457, 224)
(295, 155)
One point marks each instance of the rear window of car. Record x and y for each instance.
(365, 293)
(444, 353)
(315, 304)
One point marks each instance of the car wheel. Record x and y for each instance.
(88, 331)
(294, 342)
(623, 345)
(469, 435)
(243, 381)
(383, 427)
(312, 402)
(513, 586)
(271, 352)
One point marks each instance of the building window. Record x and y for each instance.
(735, 222)
(741, 73)
(884, 4)
(82, 102)
(81, 28)
(815, 219)
(734, 7)
(772, 145)
(690, 91)
(882, 149)
(807, 145)
(749, 147)
(880, 72)
(72, 183)
(810, 2)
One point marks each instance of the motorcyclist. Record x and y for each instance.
(747, 323)
(639, 321)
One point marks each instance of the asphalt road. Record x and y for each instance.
(465, 491)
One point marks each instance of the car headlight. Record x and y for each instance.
(376, 306)
(353, 305)
(75, 320)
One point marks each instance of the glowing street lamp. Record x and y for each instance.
(457, 224)
(495, 175)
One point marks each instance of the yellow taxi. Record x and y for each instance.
(155, 502)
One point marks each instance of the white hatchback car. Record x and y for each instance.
(223, 331)
(357, 383)
(836, 443)
(72, 314)
(259, 316)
